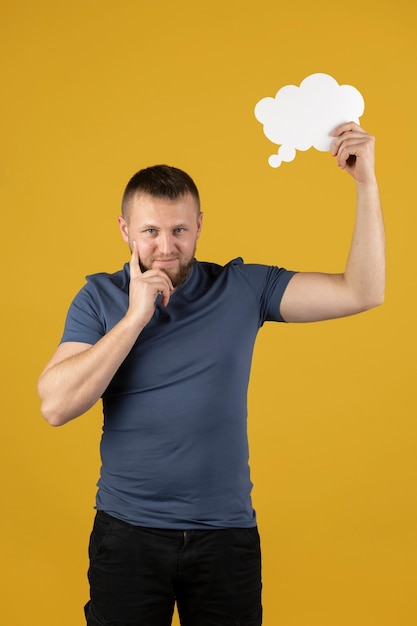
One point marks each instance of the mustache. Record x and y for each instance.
(163, 257)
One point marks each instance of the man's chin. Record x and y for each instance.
(179, 276)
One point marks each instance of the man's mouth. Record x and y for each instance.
(170, 260)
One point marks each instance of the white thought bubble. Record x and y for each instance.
(299, 118)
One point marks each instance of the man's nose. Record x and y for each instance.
(165, 243)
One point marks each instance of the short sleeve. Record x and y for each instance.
(83, 321)
(269, 284)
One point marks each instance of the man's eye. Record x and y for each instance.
(151, 231)
(179, 230)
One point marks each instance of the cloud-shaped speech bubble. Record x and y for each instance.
(299, 118)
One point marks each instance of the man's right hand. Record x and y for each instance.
(144, 289)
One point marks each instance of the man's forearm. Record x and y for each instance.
(79, 374)
(365, 269)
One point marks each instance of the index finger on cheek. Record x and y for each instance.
(134, 261)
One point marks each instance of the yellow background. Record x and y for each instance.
(91, 91)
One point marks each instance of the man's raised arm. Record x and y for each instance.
(316, 296)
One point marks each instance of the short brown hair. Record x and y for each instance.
(160, 181)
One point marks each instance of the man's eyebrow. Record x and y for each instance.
(180, 225)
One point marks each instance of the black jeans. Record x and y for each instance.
(137, 574)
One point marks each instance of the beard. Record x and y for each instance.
(177, 277)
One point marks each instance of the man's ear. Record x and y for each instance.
(124, 229)
(199, 224)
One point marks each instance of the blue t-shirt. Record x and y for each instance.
(174, 447)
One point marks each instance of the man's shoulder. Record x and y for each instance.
(237, 268)
(118, 279)
(215, 268)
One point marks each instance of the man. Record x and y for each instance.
(167, 343)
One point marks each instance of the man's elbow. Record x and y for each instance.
(371, 301)
(381, 299)
(57, 411)
(51, 409)
(53, 415)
